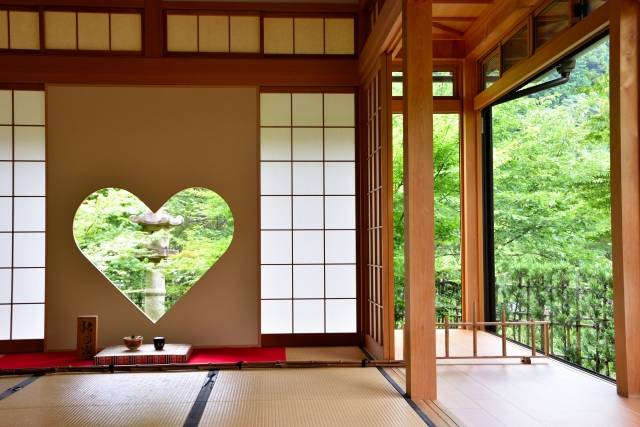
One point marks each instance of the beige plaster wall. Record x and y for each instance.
(154, 142)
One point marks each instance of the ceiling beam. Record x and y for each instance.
(494, 23)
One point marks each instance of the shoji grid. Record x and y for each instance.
(375, 207)
(308, 213)
(22, 214)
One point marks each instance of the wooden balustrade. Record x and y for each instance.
(475, 325)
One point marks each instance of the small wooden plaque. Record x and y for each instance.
(87, 344)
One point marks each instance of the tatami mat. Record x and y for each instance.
(139, 415)
(111, 389)
(7, 382)
(278, 397)
(325, 354)
(307, 397)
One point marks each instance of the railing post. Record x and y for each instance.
(446, 336)
(504, 332)
(533, 338)
(546, 339)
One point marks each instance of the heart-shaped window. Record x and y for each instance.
(153, 258)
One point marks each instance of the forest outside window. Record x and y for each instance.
(548, 211)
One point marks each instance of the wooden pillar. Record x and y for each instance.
(153, 28)
(472, 255)
(419, 203)
(625, 192)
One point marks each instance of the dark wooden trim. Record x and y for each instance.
(22, 346)
(141, 70)
(153, 29)
(73, 3)
(310, 340)
(266, 7)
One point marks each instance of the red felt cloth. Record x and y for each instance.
(202, 355)
(42, 360)
(234, 355)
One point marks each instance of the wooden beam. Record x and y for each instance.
(495, 22)
(554, 50)
(153, 28)
(419, 200)
(211, 71)
(381, 38)
(625, 194)
(448, 29)
(471, 178)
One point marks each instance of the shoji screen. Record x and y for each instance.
(308, 213)
(378, 210)
(22, 214)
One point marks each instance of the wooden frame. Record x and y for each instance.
(419, 201)
(625, 194)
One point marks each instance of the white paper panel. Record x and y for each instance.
(308, 281)
(275, 212)
(5, 107)
(275, 109)
(339, 144)
(29, 213)
(5, 249)
(307, 109)
(275, 144)
(276, 317)
(29, 179)
(6, 214)
(307, 212)
(307, 178)
(307, 144)
(340, 247)
(339, 109)
(5, 322)
(28, 285)
(28, 321)
(5, 285)
(6, 144)
(340, 212)
(6, 179)
(29, 142)
(28, 249)
(28, 107)
(275, 178)
(275, 281)
(340, 178)
(341, 316)
(308, 247)
(340, 281)
(276, 247)
(308, 316)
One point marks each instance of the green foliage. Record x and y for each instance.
(119, 248)
(552, 214)
(552, 217)
(446, 160)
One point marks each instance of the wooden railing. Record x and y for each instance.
(504, 324)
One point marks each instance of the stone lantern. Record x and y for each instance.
(157, 225)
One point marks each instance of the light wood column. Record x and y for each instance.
(419, 203)
(625, 192)
(472, 254)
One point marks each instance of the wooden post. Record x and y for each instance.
(419, 201)
(533, 338)
(153, 28)
(504, 331)
(446, 336)
(87, 337)
(625, 192)
(475, 332)
(545, 331)
(471, 209)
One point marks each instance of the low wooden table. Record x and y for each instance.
(145, 355)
